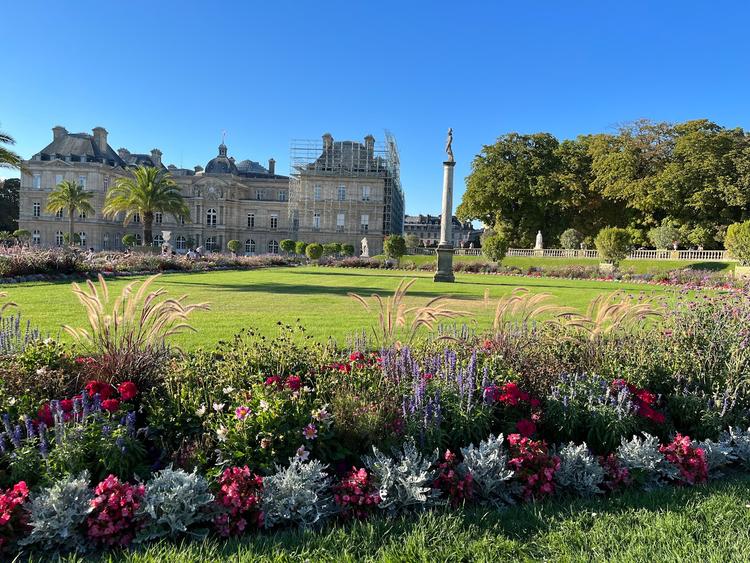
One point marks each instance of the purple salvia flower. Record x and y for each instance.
(16, 436)
(85, 404)
(96, 404)
(3, 442)
(6, 423)
(130, 423)
(43, 441)
(29, 426)
(106, 430)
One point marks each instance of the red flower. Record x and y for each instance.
(273, 380)
(111, 405)
(356, 357)
(66, 405)
(526, 428)
(294, 382)
(128, 390)
(105, 390)
(45, 414)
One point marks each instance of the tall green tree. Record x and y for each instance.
(8, 159)
(73, 198)
(9, 204)
(146, 191)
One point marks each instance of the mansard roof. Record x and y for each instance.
(78, 145)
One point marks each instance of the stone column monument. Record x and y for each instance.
(444, 271)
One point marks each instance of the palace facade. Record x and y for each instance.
(343, 193)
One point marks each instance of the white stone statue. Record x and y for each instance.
(365, 248)
(448, 145)
(539, 242)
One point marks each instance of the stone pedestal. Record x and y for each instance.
(444, 272)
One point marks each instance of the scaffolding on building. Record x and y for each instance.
(327, 158)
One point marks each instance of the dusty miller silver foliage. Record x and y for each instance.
(57, 514)
(176, 502)
(405, 480)
(580, 472)
(740, 442)
(717, 454)
(641, 456)
(299, 494)
(488, 465)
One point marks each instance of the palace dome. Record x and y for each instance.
(221, 164)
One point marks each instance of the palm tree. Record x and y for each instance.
(145, 192)
(73, 197)
(8, 159)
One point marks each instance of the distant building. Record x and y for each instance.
(344, 193)
(427, 228)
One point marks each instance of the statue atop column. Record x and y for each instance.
(448, 145)
(539, 241)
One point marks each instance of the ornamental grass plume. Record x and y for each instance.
(394, 315)
(522, 308)
(613, 313)
(130, 334)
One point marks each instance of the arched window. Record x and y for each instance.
(59, 238)
(82, 236)
(273, 247)
(210, 243)
(181, 243)
(249, 246)
(158, 240)
(36, 238)
(211, 217)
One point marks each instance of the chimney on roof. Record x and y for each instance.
(271, 166)
(370, 145)
(100, 138)
(156, 157)
(123, 153)
(58, 132)
(327, 141)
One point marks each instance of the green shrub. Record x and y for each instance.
(571, 239)
(737, 242)
(299, 247)
(129, 240)
(314, 251)
(288, 245)
(331, 249)
(664, 237)
(495, 246)
(394, 247)
(347, 249)
(233, 246)
(613, 244)
(412, 241)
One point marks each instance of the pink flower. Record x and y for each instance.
(242, 412)
(526, 427)
(310, 432)
(294, 382)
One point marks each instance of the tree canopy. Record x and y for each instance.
(694, 175)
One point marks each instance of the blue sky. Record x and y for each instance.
(174, 75)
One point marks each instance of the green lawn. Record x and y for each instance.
(635, 266)
(316, 296)
(710, 523)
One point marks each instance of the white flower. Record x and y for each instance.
(320, 415)
(263, 405)
(218, 406)
(221, 433)
(49, 341)
(228, 390)
(41, 371)
(200, 411)
(302, 454)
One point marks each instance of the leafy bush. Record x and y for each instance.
(288, 245)
(394, 247)
(233, 246)
(314, 251)
(613, 244)
(347, 249)
(571, 239)
(406, 481)
(664, 237)
(495, 247)
(57, 515)
(331, 249)
(129, 240)
(488, 466)
(299, 247)
(580, 472)
(646, 464)
(297, 495)
(176, 503)
(737, 242)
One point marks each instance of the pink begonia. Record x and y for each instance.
(239, 498)
(112, 520)
(356, 495)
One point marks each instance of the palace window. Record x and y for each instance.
(317, 193)
(37, 209)
(282, 195)
(274, 222)
(340, 220)
(180, 243)
(81, 214)
(251, 220)
(342, 193)
(82, 238)
(211, 217)
(136, 217)
(106, 183)
(210, 243)
(365, 193)
(158, 240)
(364, 223)
(37, 181)
(249, 246)
(158, 217)
(105, 241)
(273, 247)
(59, 213)
(138, 239)
(36, 238)
(59, 238)
(58, 179)
(316, 221)
(82, 181)
(260, 194)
